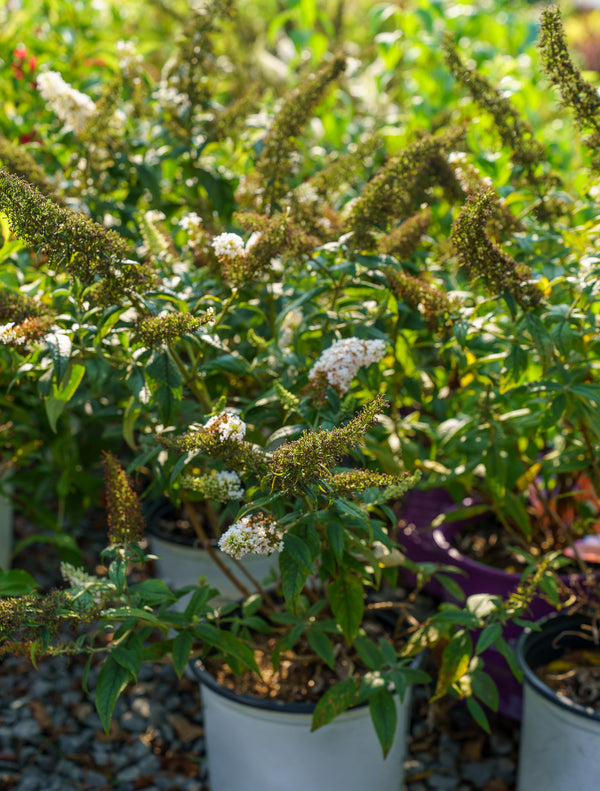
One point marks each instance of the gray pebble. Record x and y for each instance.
(504, 769)
(27, 729)
(477, 772)
(500, 744)
(442, 782)
(92, 778)
(133, 722)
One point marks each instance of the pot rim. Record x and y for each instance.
(528, 641)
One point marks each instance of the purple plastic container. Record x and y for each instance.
(423, 544)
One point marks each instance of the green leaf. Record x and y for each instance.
(483, 687)
(112, 680)
(153, 592)
(182, 646)
(335, 536)
(540, 338)
(349, 510)
(336, 700)
(168, 384)
(451, 586)
(198, 601)
(16, 582)
(117, 572)
(60, 347)
(478, 714)
(488, 637)
(122, 613)
(227, 643)
(509, 654)
(370, 654)
(129, 655)
(234, 363)
(294, 567)
(346, 597)
(384, 715)
(61, 394)
(455, 662)
(321, 645)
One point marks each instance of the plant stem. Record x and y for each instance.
(214, 556)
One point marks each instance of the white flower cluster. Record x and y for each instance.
(291, 321)
(227, 426)
(8, 334)
(190, 222)
(128, 55)
(72, 107)
(340, 362)
(254, 534)
(231, 483)
(228, 245)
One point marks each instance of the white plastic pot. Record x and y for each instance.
(266, 745)
(181, 564)
(560, 739)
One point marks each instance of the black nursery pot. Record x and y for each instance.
(560, 739)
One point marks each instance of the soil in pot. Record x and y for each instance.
(302, 676)
(576, 673)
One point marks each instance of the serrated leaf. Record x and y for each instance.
(346, 597)
(112, 680)
(335, 700)
(384, 716)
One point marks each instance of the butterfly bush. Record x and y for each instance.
(256, 534)
(339, 364)
(73, 108)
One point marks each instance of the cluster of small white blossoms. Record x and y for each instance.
(231, 483)
(9, 336)
(256, 534)
(128, 55)
(230, 245)
(227, 425)
(340, 362)
(190, 222)
(72, 107)
(168, 93)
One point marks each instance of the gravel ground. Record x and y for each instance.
(51, 738)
